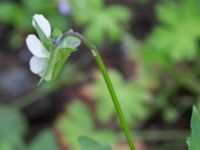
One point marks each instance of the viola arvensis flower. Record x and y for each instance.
(41, 53)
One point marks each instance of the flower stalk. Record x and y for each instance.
(49, 55)
(106, 77)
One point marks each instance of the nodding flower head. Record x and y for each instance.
(40, 50)
(40, 53)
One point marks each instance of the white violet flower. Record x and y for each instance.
(40, 53)
(36, 47)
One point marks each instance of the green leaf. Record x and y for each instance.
(5, 145)
(120, 13)
(18, 14)
(101, 27)
(12, 128)
(96, 37)
(50, 10)
(78, 121)
(86, 4)
(177, 36)
(105, 22)
(193, 141)
(45, 140)
(133, 99)
(90, 144)
(36, 5)
(167, 13)
(12, 123)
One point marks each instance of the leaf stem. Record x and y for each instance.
(104, 72)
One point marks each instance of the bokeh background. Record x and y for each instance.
(151, 50)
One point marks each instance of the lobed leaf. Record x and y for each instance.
(102, 22)
(133, 99)
(177, 36)
(78, 121)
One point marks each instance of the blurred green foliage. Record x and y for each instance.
(18, 15)
(193, 141)
(178, 33)
(100, 22)
(170, 54)
(44, 140)
(105, 21)
(134, 100)
(155, 87)
(13, 128)
(78, 121)
(90, 144)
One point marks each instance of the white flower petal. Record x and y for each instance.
(36, 47)
(37, 64)
(43, 24)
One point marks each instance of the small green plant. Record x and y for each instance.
(41, 140)
(105, 21)
(193, 140)
(18, 15)
(134, 99)
(78, 121)
(178, 33)
(12, 129)
(51, 53)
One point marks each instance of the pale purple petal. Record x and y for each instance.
(64, 8)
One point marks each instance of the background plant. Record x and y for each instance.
(105, 22)
(134, 99)
(195, 122)
(18, 15)
(152, 47)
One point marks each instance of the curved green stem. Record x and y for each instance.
(104, 72)
(115, 100)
